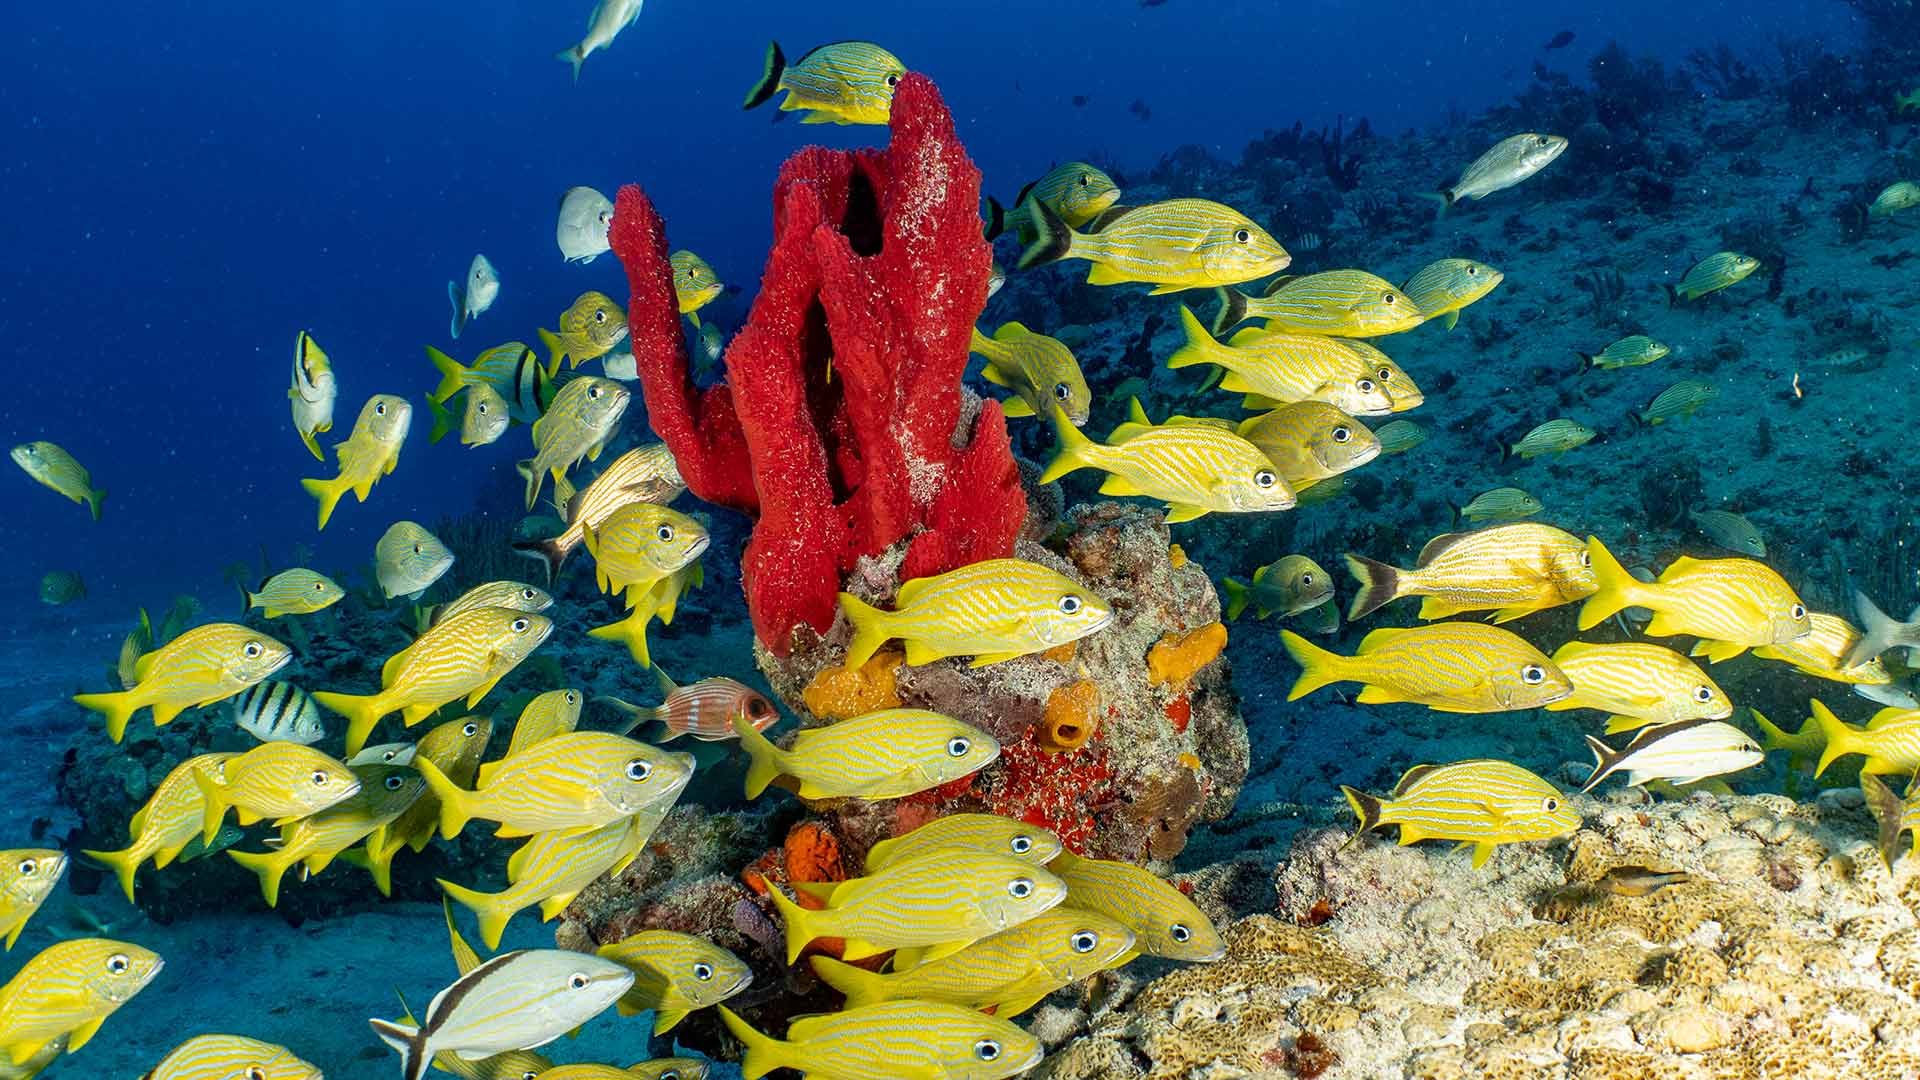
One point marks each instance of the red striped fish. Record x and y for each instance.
(705, 710)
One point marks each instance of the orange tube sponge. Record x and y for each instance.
(1176, 657)
(1072, 716)
(838, 693)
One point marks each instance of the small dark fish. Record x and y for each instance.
(1080, 101)
(1151, 3)
(1561, 40)
(1639, 880)
(62, 587)
(1139, 108)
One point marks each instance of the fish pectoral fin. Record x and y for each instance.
(920, 653)
(1017, 407)
(1451, 319)
(1716, 651)
(1379, 695)
(1115, 484)
(1179, 512)
(1162, 290)
(78, 1037)
(1482, 852)
(983, 659)
(1102, 274)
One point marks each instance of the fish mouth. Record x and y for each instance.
(698, 548)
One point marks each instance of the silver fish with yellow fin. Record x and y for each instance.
(313, 392)
(846, 82)
(644, 474)
(1480, 803)
(206, 664)
(54, 468)
(1508, 162)
(994, 611)
(68, 991)
(370, 452)
(1457, 667)
(879, 755)
(583, 418)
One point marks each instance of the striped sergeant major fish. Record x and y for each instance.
(278, 712)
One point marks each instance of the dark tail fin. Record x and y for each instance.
(1673, 298)
(769, 79)
(1233, 310)
(1586, 361)
(547, 551)
(996, 217)
(1366, 807)
(1604, 761)
(1379, 585)
(1051, 237)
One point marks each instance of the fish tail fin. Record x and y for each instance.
(1877, 630)
(1199, 347)
(869, 629)
(797, 921)
(1841, 739)
(214, 805)
(116, 707)
(1074, 448)
(767, 760)
(1365, 807)
(858, 985)
(442, 419)
(1443, 199)
(406, 1040)
(1233, 310)
(96, 496)
(763, 1052)
(1887, 810)
(996, 217)
(362, 712)
(770, 73)
(573, 56)
(123, 864)
(459, 302)
(1379, 585)
(328, 492)
(453, 376)
(493, 916)
(1772, 736)
(1236, 597)
(1052, 240)
(548, 552)
(636, 714)
(313, 444)
(556, 350)
(1318, 667)
(456, 803)
(1618, 589)
(270, 866)
(1604, 760)
(1586, 361)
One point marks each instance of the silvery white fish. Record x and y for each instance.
(1510, 161)
(608, 19)
(516, 1001)
(620, 365)
(312, 393)
(585, 215)
(1881, 631)
(482, 287)
(392, 753)
(1684, 753)
(278, 712)
(1894, 695)
(1730, 531)
(407, 559)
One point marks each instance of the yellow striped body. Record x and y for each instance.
(295, 592)
(173, 815)
(1715, 272)
(278, 780)
(1897, 196)
(1450, 667)
(846, 82)
(53, 467)
(1890, 741)
(231, 1057)
(1483, 803)
(640, 543)
(1040, 371)
(643, 474)
(1401, 390)
(1639, 684)
(897, 1040)
(1823, 653)
(70, 989)
(555, 712)
(1679, 401)
(408, 558)
(694, 282)
(674, 974)
(1635, 350)
(976, 832)
(584, 416)
(1553, 437)
(370, 451)
(590, 327)
(678, 1068)
(35, 1065)
(1443, 287)
(1163, 921)
(512, 595)
(1337, 303)
(550, 869)
(27, 877)
(1195, 468)
(1177, 244)
(1731, 604)
(1285, 368)
(576, 782)
(1501, 504)
(1310, 441)
(1513, 570)
(1399, 436)
(206, 664)
(992, 610)
(455, 748)
(386, 791)
(1075, 191)
(879, 755)
(949, 896)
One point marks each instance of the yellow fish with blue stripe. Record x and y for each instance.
(515, 595)
(993, 611)
(1194, 469)
(1679, 401)
(386, 791)
(277, 781)
(1711, 274)
(978, 832)
(573, 783)
(370, 452)
(1731, 605)
(584, 417)
(550, 870)
(1480, 803)
(1512, 570)
(68, 991)
(1174, 245)
(1274, 368)
(640, 543)
(1443, 287)
(206, 664)
(1459, 667)
(846, 82)
(1163, 921)
(171, 819)
(898, 1040)
(589, 329)
(1824, 652)
(1310, 441)
(675, 974)
(1332, 303)
(1890, 742)
(294, 592)
(1041, 371)
(880, 755)
(694, 283)
(27, 876)
(1076, 192)
(231, 1057)
(1634, 350)
(1638, 684)
(54, 468)
(555, 712)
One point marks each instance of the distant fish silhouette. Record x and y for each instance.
(1139, 109)
(1080, 101)
(1560, 40)
(1151, 3)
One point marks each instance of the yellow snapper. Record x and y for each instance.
(1449, 667)
(1163, 921)
(550, 870)
(1730, 531)
(277, 780)
(1076, 192)
(1285, 368)
(463, 656)
(1900, 195)
(1890, 742)
(1553, 437)
(1174, 245)
(993, 611)
(27, 876)
(573, 783)
(1639, 684)
(1824, 653)
(1480, 803)
(313, 392)
(1287, 586)
(1332, 303)
(407, 559)
(173, 817)
(642, 542)
(1194, 470)
(206, 664)
(1399, 436)
(674, 974)
(976, 832)
(455, 748)
(1008, 972)
(1893, 814)
(846, 82)
(1634, 350)
(1443, 287)
(56, 469)
(608, 18)
(386, 791)
(1038, 369)
(1310, 441)
(294, 592)
(370, 452)
(1711, 274)
(515, 595)
(589, 329)
(643, 474)
(1507, 163)
(1681, 400)
(943, 899)
(231, 1057)
(69, 990)
(881, 755)
(899, 1040)
(1500, 504)
(583, 418)
(1513, 570)
(1730, 604)
(694, 283)
(511, 371)
(471, 298)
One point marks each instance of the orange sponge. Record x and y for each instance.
(1176, 657)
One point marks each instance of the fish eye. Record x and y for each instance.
(394, 783)
(253, 650)
(319, 778)
(578, 981)
(958, 746)
(526, 594)
(520, 626)
(317, 587)
(639, 769)
(1550, 804)
(1264, 478)
(1306, 578)
(1533, 674)
(987, 1050)
(1703, 694)
(1069, 605)
(1473, 271)
(1367, 386)
(1179, 933)
(1586, 558)
(593, 391)
(1021, 845)
(483, 407)
(1084, 941)
(117, 964)
(1541, 139)
(703, 971)
(1386, 375)
(1020, 888)
(665, 533)
(470, 729)
(1342, 434)
(28, 867)
(1797, 612)
(893, 80)
(380, 409)
(255, 1072)
(1387, 298)
(1061, 391)
(599, 314)
(417, 550)
(1243, 237)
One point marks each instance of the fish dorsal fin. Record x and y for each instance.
(1653, 733)
(1137, 413)
(1010, 330)
(393, 665)
(1279, 283)
(1106, 217)
(1260, 574)
(1889, 715)
(1437, 545)
(1127, 431)
(1379, 638)
(1247, 336)
(1678, 566)
(144, 665)
(1411, 777)
(667, 686)
(910, 591)
(516, 863)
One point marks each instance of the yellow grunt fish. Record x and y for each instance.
(1897, 196)
(1284, 368)
(512, 595)
(675, 974)
(1194, 470)
(641, 543)
(1039, 370)
(643, 474)
(206, 664)
(231, 1057)
(694, 283)
(1481, 803)
(1711, 274)
(589, 329)
(1638, 684)
(899, 1040)
(1076, 192)
(370, 452)
(1449, 667)
(1332, 303)
(550, 870)
(27, 876)
(1894, 815)
(584, 417)
(943, 900)
(1399, 436)
(1163, 921)
(1443, 287)
(880, 755)
(294, 592)
(386, 791)
(1824, 652)
(556, 712)
(1287, 586)
(173, 817)
(1553, 437)
(455, 748)
(993, 611)
(1633, 351)
(56, 469)
(975, 832)
(573, 783)
(1500, 504)
(1174, 245)
(1513, 570)
(1890, 742)
(846, 82)
(1310, 441)
(279, 781)
(1730, 604)
(1681, 400)
(68, 991)
(312, 393)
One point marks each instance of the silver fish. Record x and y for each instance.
(482, 288)
(278, 712)
(1510, 161)
(608, 19)
(1881, 631)
(407, 558)
(1685, 753)
(393, 753)
(620, 365)
(581, 233)
(1730, 531)
(312, 393)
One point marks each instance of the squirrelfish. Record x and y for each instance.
(899, 1040)
(278, 712)
(312, 393)
(1481, 803)
(56, 469)
(704, 710)
(370, 452)
(1507, 163)
(589, 329)
(1039, 370)
(1399, 436)
(1287, 586)
(295, 592)
(69, 990)
(1075, 191)
(581, 229)
(1194, 470)
(27, 877)
(473, 297)
(173, 817)
(1553, 437)
(1730, 604)
(463, 656)
(512, 371)
(1443, 287)
(1686, 752)
(609, 17)
(1283, 368)
(1513, 570)
(994, 610)
(674, 974)
(407, 559)
(206, 664)
(278, 780)
(231, 1057)
(1824, 653)
(576, 782)
(1713, 273)
(1310, 441)
(1450, 667)
(644, 474)
(1173, 245)
(846, 82)
(694, 283)
(1333, 303)
(1890, 742)
(1500, 504)
(880, 755)
(550, 870)
(1900, 195)
(385, 792)
(516, 1001)
(513, 595)
(583, 418)
(1639, 684)
(1893, 814)
(1163, 921)
(976, 832)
